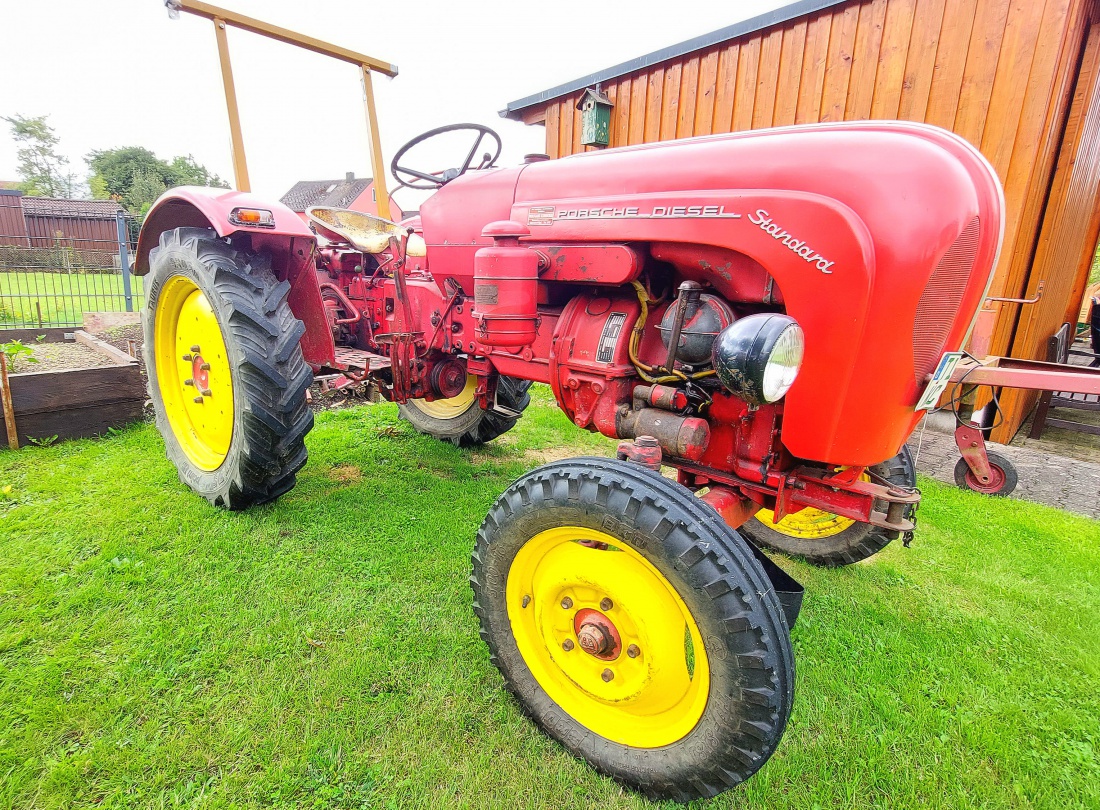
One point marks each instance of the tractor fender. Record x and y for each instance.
(290, 244)
(203, 207)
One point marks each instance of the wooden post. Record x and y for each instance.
(240, 166)
(378, 166)
(222, 17)
(9, 408)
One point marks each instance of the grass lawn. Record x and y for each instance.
(63, 297)
(321, 652)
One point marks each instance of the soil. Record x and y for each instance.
(61, 357)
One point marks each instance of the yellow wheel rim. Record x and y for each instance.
(453, 407)
(659, 675)
(810, 523)
(193, 373)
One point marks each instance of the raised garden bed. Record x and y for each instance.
(84, 386)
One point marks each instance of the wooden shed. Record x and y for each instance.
(1019, 79)
(13, 226)
(86, 225)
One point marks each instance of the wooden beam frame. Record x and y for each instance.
(284, 35)
(221, 18)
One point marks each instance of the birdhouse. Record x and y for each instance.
(595, 110)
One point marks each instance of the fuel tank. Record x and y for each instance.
(881, 236)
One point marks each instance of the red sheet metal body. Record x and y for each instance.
(859, 224)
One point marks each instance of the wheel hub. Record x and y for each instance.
(200, 372)
(597, 634)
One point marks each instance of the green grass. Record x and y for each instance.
(62, 297)
(320, 652)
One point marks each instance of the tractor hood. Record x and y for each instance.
(881, 236)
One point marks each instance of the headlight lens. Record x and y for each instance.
(757, 358)
(783, 363)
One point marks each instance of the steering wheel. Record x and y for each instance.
(429, 180)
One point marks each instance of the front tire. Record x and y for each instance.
(226, 373)
(634, 626)
(829, 540)
(461, 421)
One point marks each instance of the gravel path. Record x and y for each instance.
(1066, 483)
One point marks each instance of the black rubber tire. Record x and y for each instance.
(721, 583)
(270, 377)
(475, 425)
(1005, 481)
(855, 543)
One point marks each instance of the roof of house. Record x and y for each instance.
(790, 11)
(84, 209)
(330, 193)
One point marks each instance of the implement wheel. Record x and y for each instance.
(461, 420)
(824, 538)
(1003, 480)
(226, 374)
(634, 626)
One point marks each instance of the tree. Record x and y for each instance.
(136, 177)
(144, 189)
(43, 171)
(190, 173)
(114, 170)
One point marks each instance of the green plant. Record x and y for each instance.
(42, 441)
(17, 352)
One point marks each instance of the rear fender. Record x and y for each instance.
(290, 244)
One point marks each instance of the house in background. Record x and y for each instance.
(351, 193)
(1018, 80)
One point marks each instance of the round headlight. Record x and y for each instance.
(757, 358)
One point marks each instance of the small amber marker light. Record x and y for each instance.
(252, 217)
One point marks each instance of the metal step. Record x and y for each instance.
(347, 358)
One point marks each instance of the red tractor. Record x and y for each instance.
(759, 311)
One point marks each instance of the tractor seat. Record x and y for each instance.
(364, 232)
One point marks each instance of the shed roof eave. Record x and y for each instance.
(791, 11)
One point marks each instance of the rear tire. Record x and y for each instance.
(606, 541)
(461, 421)
(826, 539)
(218, 329)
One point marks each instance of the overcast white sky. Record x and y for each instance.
(113, 73)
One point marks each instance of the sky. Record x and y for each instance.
(112, 73)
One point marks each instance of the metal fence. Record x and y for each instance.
(69, 259)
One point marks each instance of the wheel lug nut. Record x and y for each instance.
(188, 381)
(566, 603)
(633, 651)
(187, 358)
(195, 348)
(204, 367)
(606, 604)
(205, 392)
(567, 645)
(526, 601)
(198, 400)
(607, 676)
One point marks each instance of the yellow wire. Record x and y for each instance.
(636, 340)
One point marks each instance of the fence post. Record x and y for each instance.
(124, 257)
